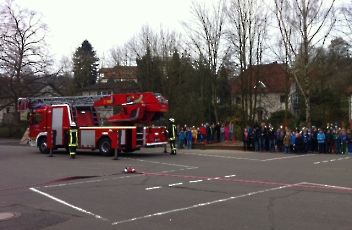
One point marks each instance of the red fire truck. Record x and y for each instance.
(50, 119)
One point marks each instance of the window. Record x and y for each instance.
(282, 98)
(37, 118)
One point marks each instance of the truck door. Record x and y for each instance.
(36, 124)
(57, 124)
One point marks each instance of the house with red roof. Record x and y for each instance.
(266, 86)
(118, 73)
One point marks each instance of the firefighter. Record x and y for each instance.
(73, 140)
(172, 136)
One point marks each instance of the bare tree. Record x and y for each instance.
(120, 56)
(304, 25)
(23, 51)
(344, 22)
(248, 25)
(206, 34)
(65, 77)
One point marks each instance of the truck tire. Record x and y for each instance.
(105, 147)
(42, 145)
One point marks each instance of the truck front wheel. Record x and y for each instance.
(43, 146)
(105, 147)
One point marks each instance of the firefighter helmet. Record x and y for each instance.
(73, 124)
(171, 119)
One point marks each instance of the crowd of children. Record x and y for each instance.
(307, 140)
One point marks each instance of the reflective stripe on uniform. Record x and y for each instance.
(73, 138)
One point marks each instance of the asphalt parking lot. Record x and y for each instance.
(196, 189)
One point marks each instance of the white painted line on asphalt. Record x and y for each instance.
(251, 159)
(153, 188)
(230, 176)
(325, 185)
(67, 204)
(170, 185)
(288, 157)
(195, 181)
(199, 205)
(332, 160)
(158, 162)
(219, 156)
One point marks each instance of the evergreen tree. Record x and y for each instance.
(148, 73)
(85, 64)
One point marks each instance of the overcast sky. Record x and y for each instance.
(104, 23)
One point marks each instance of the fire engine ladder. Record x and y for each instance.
(70, 100)
(74, 101)
(95, 116)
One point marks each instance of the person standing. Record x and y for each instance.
(178, 130)
(203, 132)
(208, 135)
(287, 142)
(314, 140)
(227, 132)
(321, 141)
(222, 132)
(189, 138)
(329, 139)
(293, 142)
(299, 144)
(172, 135)
(271, 138)
(194, 134)
(231, 130)
(217, 132)
(337, 141)
(279, 140)
(73, 143)
(181, 139)
(263, 132)
(255, 140)
(343, 141)
(246, 140)
(349, 141)
(305, 141)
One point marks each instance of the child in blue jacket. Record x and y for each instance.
(181, 138)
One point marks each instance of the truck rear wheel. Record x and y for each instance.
(105, 147)
(43, 146)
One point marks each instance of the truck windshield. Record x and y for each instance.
(36, 118)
